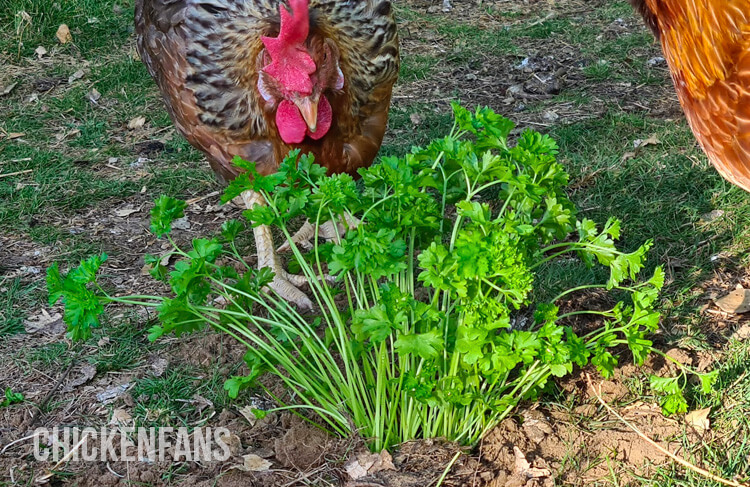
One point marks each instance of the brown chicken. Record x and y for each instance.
(257, 78)
(707, 46)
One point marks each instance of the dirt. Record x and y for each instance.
(571, 445)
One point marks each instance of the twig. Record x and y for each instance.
(651, 442)
(195, 200)
(304, 476)
(544, 19)
(448, 469)
(113, 472)
(35, 414)
(18, 441)
(51, 472)
(17, 173)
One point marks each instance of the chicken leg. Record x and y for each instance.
(329, 231)
(285, 284)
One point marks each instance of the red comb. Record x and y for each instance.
(290, 62)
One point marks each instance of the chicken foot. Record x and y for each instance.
(329, 231)
(285, 284)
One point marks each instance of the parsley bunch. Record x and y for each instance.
(422, 334)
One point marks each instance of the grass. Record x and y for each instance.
(18, 297)
(662, 192)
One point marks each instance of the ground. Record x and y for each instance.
(86, 146)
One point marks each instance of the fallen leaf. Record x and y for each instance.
(8, 89)
(120, 417)
(45, 323)
(112, 393)
(627, 156)
(524, 468)
(76, 76)
(93, 95)
(63, 34)
(254, 463)
(415, 118)
(640, 143)
(181, 224)
(40, 51)
(159, 366)
(136, 123)
(698, 419)
(67, 135)
(249, 415)
(369, 463)
(15, 135)
(550, 115)
(200, 403)
(712, 215)
(82, 376)
(126, 212)
(356, 470)
(233, 442)
(736, 302)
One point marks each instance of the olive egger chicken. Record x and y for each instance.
(257, 78)
(707, 46)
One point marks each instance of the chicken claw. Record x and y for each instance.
(329, 231)
(285, 284)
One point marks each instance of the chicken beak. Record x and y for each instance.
(309, 110)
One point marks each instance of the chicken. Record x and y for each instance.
(707, 46)
(257, 78)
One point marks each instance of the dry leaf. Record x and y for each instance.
(254, 463)
(8, 89)
(640, 143)
(627, 156)
(63, 34)
(356, 470)
(524, 468)
(136, 123)
(736, 302)
(112, 393)
(120, 417)
(67, 135)
(200, 403)
(76, 76)
(249, 415)
(234, 443)
(40, 51)
(550, 115)
(45, 323)
(15, 135)
(181, 224)
(93, 95)
(415, 118)
(369, 463)
(85, 374)
(712, 215)
(159, 366)
(126, 212)
(698, 419)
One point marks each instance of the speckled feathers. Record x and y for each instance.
(203, 54)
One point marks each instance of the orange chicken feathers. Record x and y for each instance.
(707, 46)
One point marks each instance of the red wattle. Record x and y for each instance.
(292, 127)
(289, 121)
